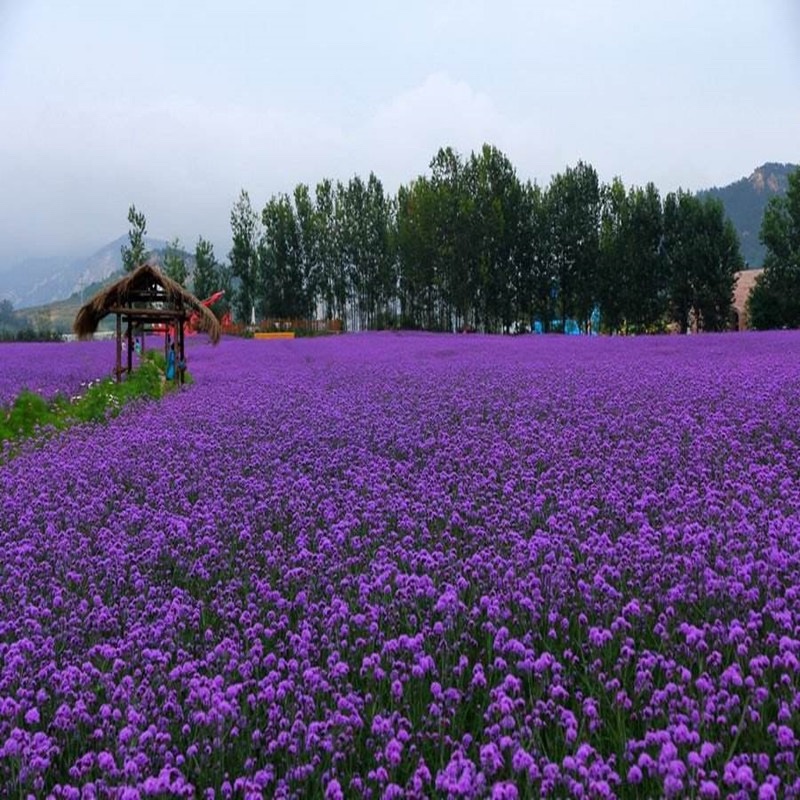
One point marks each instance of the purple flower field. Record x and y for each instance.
(52, 368)
(409, 565)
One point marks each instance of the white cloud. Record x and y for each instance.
(405, 133)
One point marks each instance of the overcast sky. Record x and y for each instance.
(176, 105)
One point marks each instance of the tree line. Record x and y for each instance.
(472, 247)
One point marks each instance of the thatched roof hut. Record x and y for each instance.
(135, 293)
(147, 297)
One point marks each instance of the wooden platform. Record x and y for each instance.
(275, 335)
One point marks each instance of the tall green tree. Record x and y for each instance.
(498, 220)
(243, 258)
(631, 281)
(648, 289)
(175, 262)
(379, 266)
(206, 269)
(281, 259)
(614, 278)
(327, 248)
(720, 260)
(365, 220)
(309, 249)
(135, 252)
(681, 220)
(342, 252)
(701, 249)
(456, 289)
(416, 237)
(539, 270)
(775, 299)
(7, 319)
(573, 211)
(352, 220)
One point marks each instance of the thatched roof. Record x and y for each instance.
(146, 284)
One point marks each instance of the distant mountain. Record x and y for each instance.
(745, 202)
(39, 281)
(59, 315)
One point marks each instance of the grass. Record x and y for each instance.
(30, 414)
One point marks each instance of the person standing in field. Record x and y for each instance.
(171, 363)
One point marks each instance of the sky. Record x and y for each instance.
(177, 105)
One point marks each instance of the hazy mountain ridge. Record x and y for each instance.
(39, 281)
(745, 201)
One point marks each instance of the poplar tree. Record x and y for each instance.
(135, 253)
(175, 262)
(775, 299)
(244, 258)
(206, 269)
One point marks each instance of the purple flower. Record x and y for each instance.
(32, 717)
(634, 774)
(333, 791)
(394, 752)
(785, 736)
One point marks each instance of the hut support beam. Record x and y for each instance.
(129, 335)
(181, 350)
(118, 370)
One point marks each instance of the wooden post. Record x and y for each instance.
(129, 337)
(119, 349)
(182, 353)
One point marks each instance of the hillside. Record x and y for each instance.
(745, 201)
(59, 315)
(41, 281)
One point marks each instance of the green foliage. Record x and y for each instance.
(30, 413)
(135, 253)
(775, 299)
(326, 248)
(702, 255)
(224, 284)
(632, 282)
(573, 212)
(244, 256)
(309, 249)
(284, 276)
(539, 277)
(366, 248)
(497, 203)
(206, 270)
(422, 265)
(175, 262)
(27, 414)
